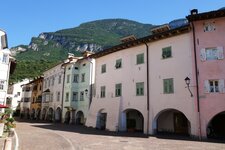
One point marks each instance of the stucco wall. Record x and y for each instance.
(210, 103)
(128, 75)
(178, 67)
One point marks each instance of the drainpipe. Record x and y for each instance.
(197, 85)
(64, 74)
(91, 90)
(148, 93)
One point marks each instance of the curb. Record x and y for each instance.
(8, 143)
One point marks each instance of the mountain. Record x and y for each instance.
(49, 48)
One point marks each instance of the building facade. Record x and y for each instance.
(52, 94)
(172, 107)
(79, 78)
(26, 100)
(36, 98)
(5, 65)
(14, 95)
(120, 96)
(209, 42)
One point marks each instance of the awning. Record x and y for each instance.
(3, 106)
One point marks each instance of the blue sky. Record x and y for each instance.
(23, 19)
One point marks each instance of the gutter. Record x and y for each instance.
(197, 85)
(148, 92)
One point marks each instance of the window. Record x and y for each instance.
(166, 52)
(140, 58)
(214, 86)
(48, 82)
(76, 78)
(51, 97)
(84, 65)
(102, 95)
(67, 97)
(83, 77)
(76, 68)
(118, 91)
(45, 83)
(2, 83)
(75, 96)
(53, 80)
(118, 63)
(68, 79)
(214, 53)
(140, 88)
(104, 68)
(168, 86)
(58, 96)
(210, 26)
(5, 58)
(59, 81)
(81, 96)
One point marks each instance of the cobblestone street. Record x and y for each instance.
(46, 136)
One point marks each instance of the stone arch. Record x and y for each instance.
(50, 116)
(58, 114)
(101, 119)
(216, 126)
(27, 113)
(132, 120)
(67, 117)
(80, 118)
(32, 114)
(38, 113)
(43, 114)
(171, 121)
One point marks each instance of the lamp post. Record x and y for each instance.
(187, 81)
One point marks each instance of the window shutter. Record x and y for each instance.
(206, 86)
(220, 54)
(203, 55)
(221, 86)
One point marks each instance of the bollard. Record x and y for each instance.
(7, 144)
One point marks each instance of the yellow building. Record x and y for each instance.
(36, 98)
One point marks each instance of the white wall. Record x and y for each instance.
(128, 75)
(178, 67)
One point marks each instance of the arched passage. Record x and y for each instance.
(132, 121)
(38, 113)
(27, 113)
(58, 114)
(67, 117)
(171, 121)
(80, 118)
(32, 115)
(216, 127)
(43, 114)
(50, 114)
(101, 119)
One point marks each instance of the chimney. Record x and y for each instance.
(194, 11)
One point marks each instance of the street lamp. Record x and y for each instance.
(86, 92)
(187, 81)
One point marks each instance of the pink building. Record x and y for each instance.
(209, 42)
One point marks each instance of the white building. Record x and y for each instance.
(52, 94)
(5, 64)
(26, 100)
(15, 93)
(120, 97)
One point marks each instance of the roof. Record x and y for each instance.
(141, 41)
(206, 15)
